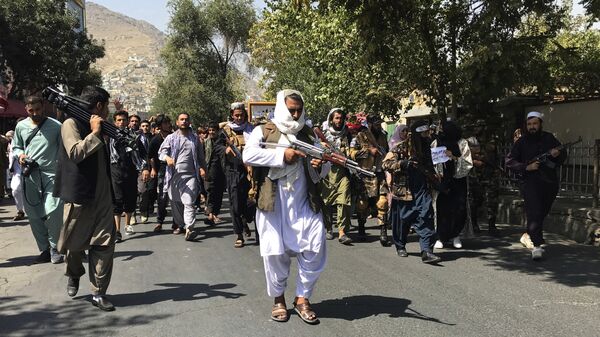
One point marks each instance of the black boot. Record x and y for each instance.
(383, 237)
(362, 234)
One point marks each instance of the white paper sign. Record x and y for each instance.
(438, 155)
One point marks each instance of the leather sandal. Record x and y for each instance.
(306, 313)
(279, 313)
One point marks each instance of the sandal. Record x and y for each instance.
(158, 228)
(279, 313)
(306, 313)
(239, 243)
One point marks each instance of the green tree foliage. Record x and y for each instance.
(200, 53)
(368, 54)
(39, 46)
(574, 60)
(318, 51)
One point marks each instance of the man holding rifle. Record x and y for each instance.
(288, 218)
(368, 148)
(540, 179)
(236, 132)
(336, 186)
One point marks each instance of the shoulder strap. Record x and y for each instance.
(270, 131)
(30, 138)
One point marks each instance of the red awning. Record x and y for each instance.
(12, 108)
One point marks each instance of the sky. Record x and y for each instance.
(153, 11)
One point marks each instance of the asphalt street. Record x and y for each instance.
(165, 286)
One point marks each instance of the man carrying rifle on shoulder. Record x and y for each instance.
(368, 148)
(536, 156)
(336, 186)
(236, 132)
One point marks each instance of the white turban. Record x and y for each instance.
(283, 118)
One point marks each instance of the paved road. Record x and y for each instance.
(164, 286)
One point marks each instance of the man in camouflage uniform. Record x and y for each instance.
(336, 186)
(368, 148)
(484, 179)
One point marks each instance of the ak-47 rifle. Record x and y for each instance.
(73, 107)
(228, 140)
(481, 158)
(324, 139)
(544, 158)
(323, 154)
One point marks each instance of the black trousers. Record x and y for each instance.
(238, 186)
(452, 210)
(539, 196)
(215, 186)
(148, 198)
(124, 183)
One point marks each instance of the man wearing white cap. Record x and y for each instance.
(540, 179)
(288, 216)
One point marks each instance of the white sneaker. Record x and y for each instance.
(526, 241)
(537, 253)
(129, 230)
(438, 245)
(456, 243)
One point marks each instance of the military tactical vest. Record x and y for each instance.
(267, 188)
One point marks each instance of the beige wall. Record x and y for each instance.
(568, 121)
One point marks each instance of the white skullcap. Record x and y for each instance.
(422, 128)
(534, 114)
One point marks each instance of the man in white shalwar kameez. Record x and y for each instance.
(288, 217)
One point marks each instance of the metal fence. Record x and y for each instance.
(579, 174)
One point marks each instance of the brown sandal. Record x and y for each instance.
(306, 313)
(279, 313)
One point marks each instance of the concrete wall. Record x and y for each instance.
(568, 121)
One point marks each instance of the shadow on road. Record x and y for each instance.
(7, 222)
(19, 261)
(130, 254)
(364, 306)
(176, 292)
(69, 318)
(571, 265)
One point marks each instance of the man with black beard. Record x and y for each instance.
(540, 180)
(336, 186)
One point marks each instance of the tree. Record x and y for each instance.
(200, 54)
(39, 46)
(317, 51)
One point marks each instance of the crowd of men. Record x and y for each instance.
(80, 187)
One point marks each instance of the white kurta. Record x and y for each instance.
(292, 227)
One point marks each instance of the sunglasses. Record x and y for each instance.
(295, 110)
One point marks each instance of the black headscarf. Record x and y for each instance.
(449, 137)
